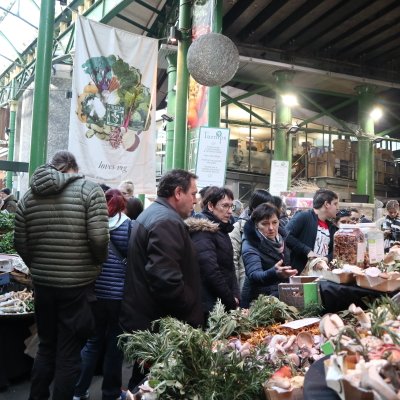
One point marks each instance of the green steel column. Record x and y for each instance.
(182, 85)
(40, 110)
(171, 107)
(214, 94)
(11, 136)
(283, 116)
(365, 158)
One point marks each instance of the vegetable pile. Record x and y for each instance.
(233, 358)
(7, 233)
(367, 354)
(16, 302)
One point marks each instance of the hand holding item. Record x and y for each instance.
(387, 233)
(284, 271)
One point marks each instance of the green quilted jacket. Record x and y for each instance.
(61, 229)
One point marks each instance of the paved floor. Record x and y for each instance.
(19, 390)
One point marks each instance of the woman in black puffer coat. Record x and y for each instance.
(265, 255)
(210, 235)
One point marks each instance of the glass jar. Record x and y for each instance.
(349, 245)
(375, 243)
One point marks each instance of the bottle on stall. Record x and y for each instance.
(349, 245)
(375, 243)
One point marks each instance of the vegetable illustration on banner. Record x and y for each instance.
(115, 104)
(112, 120)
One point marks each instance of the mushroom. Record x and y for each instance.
(362, 318)
(305, 339)
(330, 325)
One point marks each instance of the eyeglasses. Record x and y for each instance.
(227, 206)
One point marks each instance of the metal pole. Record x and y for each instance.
(171, 111)
(11, 137)
(365, 157)
(40, 110)
(214, 99)
(182, 85)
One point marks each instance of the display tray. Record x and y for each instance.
(343, 277)
(378, 284)
(16, 315)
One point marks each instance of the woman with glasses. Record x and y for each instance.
(265, 255)
(209, 232)
(343, 217)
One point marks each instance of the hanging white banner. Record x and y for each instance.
(112, 128)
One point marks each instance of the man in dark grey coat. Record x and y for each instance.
(163, 278)
(61, 232)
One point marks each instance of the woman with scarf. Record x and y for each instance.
(209, 232)
(265, 255)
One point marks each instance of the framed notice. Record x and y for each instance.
(278, 181)
(212, 156)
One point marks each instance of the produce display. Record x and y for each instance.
(367, 351)
(241, 355)
(16, 302)
(7, 233)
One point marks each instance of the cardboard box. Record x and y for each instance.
(295, 394)
(343, 155)
(343, 277)
(341, 145)
(379, 284)
(299, 294)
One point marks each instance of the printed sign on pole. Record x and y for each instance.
(212, 156)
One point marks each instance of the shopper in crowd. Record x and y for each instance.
(391, 224)
(104, 187)
(257, 197)
(163, 277)
(61, 233)
(209, 232)
(265, 255)
(310, 232)
(284, 216)
(343, 217)
(237, 209)
(134, 207)
(356, 217)
(127, 189)
(8, 203)
(109, 288)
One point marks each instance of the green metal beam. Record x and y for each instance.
(134, 23)
(248, 94)
(326, 112)
(14, 48)
(330, 110)
(148, 6)
(17, 16)
(245, 108)
(388, 131)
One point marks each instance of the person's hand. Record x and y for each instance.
(311, 254)
(237, 301)
(284, 271)
(387, 233)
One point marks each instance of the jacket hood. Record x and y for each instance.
(46, 180)
(201, 225)
(116, 221)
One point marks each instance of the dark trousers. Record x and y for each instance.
(106, 314)
(64, 321)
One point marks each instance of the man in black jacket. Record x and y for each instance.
(162, 277)
(310, 233)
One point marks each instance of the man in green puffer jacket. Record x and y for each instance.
(61, 232)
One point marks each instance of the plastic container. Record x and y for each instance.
(375, 243)
(349, 245)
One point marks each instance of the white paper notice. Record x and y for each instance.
(279, 177)
(211, 156)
